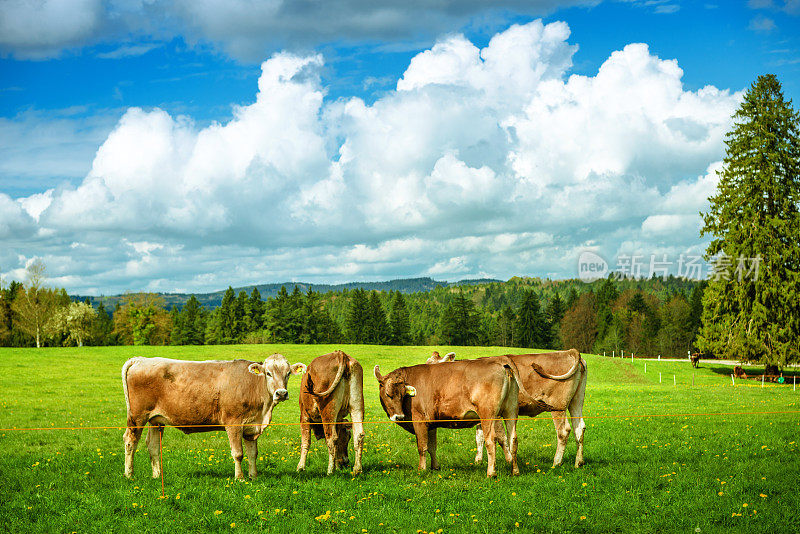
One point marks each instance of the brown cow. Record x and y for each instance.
(423, 398)
(236, 396)
(332, 388)
(553, 393)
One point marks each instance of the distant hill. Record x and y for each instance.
(212, 300)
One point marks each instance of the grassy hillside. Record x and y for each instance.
(644, 472)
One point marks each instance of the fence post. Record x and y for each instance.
(622, 352)
(645, 367)
(659, 377)
(762, 380)
(674, 381)
(732, 382)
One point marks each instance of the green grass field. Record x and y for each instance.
(734, 469)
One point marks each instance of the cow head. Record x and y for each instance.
(392, 390)
(276, 371)
(435, 358)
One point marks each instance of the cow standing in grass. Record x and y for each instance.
(330, 390)
(236, 396)
(423, 398)
(553, 393)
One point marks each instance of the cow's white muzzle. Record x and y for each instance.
(397, 417)
(280, 395)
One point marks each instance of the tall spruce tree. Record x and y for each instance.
(529, 328)
(378, 330)
(459, 322)
(749, 314)
(356, 322)
(399, 320)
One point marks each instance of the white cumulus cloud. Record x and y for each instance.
(492, 160)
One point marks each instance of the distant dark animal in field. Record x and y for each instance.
(695, 359)
(331, 390)
(237, 396)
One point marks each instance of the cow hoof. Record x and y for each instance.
(579, 463)
(491, 475)
(301, 468)
(356, 471)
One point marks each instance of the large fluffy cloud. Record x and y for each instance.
(490, 161)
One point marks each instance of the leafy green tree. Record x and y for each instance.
(579, 325)
(459, 322)
(675, 336)
(754, 220)
(74, 320)
(399, 320)
(34, 306)
(530, 327)
(143, 320)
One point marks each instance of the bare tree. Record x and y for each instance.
(35, 304)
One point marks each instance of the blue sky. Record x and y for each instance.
(169, 147)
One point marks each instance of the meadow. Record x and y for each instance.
(711, 457)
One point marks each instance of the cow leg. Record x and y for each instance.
(331, 436)
(488, 426)
(154, 435)
(511, 426)
(421, 430)
(251, 448)
(561, 423)
(131, 440)
(500, 434)
(357, 416)
(576, 411)
(432, 449)
(478, 445)
(235, 439)
(305, 443)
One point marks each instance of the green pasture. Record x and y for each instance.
(731, 467)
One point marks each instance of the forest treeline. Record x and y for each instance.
(646, 316)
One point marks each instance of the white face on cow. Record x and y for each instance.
(276, 371)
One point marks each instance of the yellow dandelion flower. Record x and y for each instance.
(217, 512)
(583, 517)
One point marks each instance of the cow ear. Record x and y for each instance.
(378, 375)
(299, 368)
(256, 368)
(451, 356)
(411, 391)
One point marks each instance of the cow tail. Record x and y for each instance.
(125, 367)
(524, 395)
(575, 354)
(339, 373)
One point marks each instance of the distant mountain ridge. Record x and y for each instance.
(213, 299)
